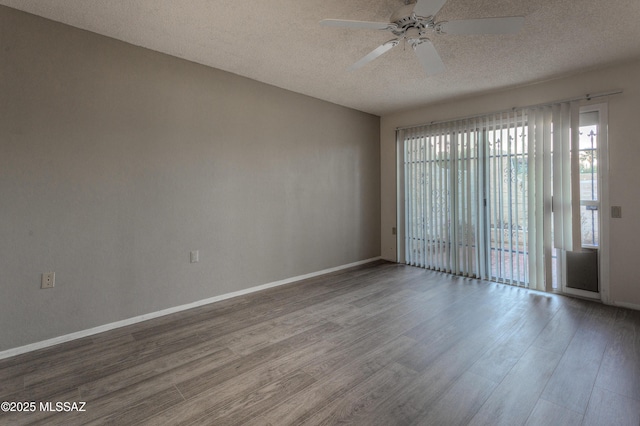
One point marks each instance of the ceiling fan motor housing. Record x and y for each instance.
(412, 27)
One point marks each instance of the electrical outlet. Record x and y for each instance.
(48, 280)
(194, 256)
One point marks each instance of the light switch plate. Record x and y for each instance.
(616, 212)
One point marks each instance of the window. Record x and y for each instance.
(589, 188)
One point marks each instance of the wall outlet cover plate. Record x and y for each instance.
(48, 280)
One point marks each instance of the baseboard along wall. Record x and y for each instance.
(129, 321)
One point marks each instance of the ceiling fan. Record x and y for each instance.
(414, 22)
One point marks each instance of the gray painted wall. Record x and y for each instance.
(116, 162)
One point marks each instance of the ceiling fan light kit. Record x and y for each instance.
(414, 23)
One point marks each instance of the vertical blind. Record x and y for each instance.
(441, 193)
(478, 193)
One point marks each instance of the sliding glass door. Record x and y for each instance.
(491, 197)
(441, 194)
(506, 193)
(466, 199)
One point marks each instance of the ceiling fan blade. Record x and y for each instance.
(429, 57)
(374, 54)
(507, 25)
(426, 8)
(366, 25)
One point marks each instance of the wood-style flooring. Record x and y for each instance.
(382, 344)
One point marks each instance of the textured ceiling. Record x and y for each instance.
(280, 42)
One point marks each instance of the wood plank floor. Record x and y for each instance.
(382, 344)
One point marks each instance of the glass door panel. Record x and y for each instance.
(507, 203)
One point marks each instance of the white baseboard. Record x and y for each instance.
(111, 326)
(627, 305)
